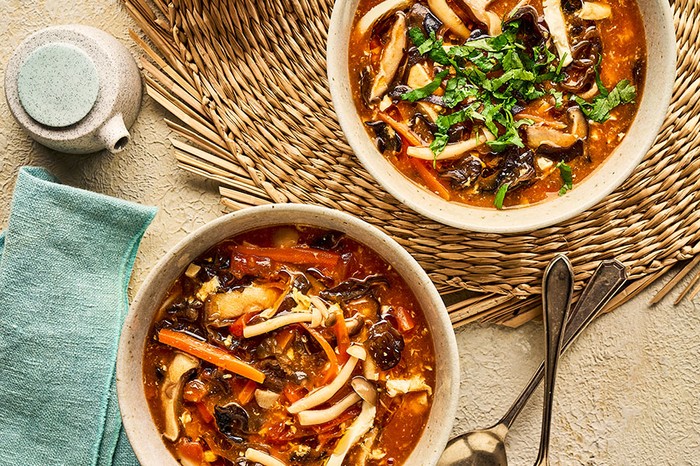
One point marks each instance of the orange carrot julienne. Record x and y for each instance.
(402, 129)
(209, 353)
(341, 331)
(430, 179)
(333, 368)
(404, 319)
(247, 392)
(302, 256)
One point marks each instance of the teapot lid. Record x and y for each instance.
(58, 84)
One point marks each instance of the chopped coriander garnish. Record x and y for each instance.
(599, 110)
(500, 196)
(445, 122)
(426, 90)
(566, 177)
(522, 78)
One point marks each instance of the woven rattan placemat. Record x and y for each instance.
(247, 80)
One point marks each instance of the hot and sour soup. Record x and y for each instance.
(290, 345)
(499, 103)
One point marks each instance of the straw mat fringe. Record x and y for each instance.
(247, 80)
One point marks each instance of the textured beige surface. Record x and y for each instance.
(629, 390)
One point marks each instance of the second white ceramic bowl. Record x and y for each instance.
(139, 426)
(660, 75)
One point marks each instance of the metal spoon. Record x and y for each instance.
(485, 447)
(557, 291)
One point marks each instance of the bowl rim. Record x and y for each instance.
(149, 446)
(600, 183)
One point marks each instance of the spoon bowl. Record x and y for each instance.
(485, 447)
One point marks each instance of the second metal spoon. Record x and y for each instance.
(485, 447)
(557, 291)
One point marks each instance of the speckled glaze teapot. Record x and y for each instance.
(74, 88)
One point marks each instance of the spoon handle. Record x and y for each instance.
(606, 281)
(557, 291)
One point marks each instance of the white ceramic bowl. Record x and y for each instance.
(145, 439)
(661, 59)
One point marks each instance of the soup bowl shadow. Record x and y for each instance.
(656, 96)
(145, 439)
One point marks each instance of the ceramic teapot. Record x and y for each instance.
(74, 88)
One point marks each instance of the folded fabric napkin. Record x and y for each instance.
(65, 263)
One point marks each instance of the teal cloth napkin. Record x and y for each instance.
(65, 263)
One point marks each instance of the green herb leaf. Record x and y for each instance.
(439, 143)
(567, 178)
(417, 36)
(512, 61)
(426, 90)
(558, 97)
(599, 82)
(500, 196)
(511, 137)
(599, 110)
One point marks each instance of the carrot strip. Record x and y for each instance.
(236, 328)
(246, 394)
(204, 413)
(404, 319)
(301, 256)
(333, 367)
(402, 129)
(209, 353)
(341, 331)
(293, 393)
(283, 337)
(430, 179)
(190, 450)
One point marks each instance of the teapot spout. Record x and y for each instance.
(114, 135)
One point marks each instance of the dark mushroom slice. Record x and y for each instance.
(533, 29)
(179, 367)
(392, 56)
(586, 52)
(354, 288)
(569, 143)
(385, 345)
(464, 173)
(449, 18)
(378, 12)
(386, 139)
(232, 421)
(571, 6)
(419, 16)
(518, 169)
(478, 11)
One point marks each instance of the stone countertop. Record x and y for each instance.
(628, 392)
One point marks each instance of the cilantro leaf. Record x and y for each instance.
(432, 46)
(456, 90)
(558, 97)
(445, 122)
(510, 138)
(500, 196)
(599, 82)
(512, 61)
(567, 178)
(599, 110)
(439, 143)
(425, 91)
